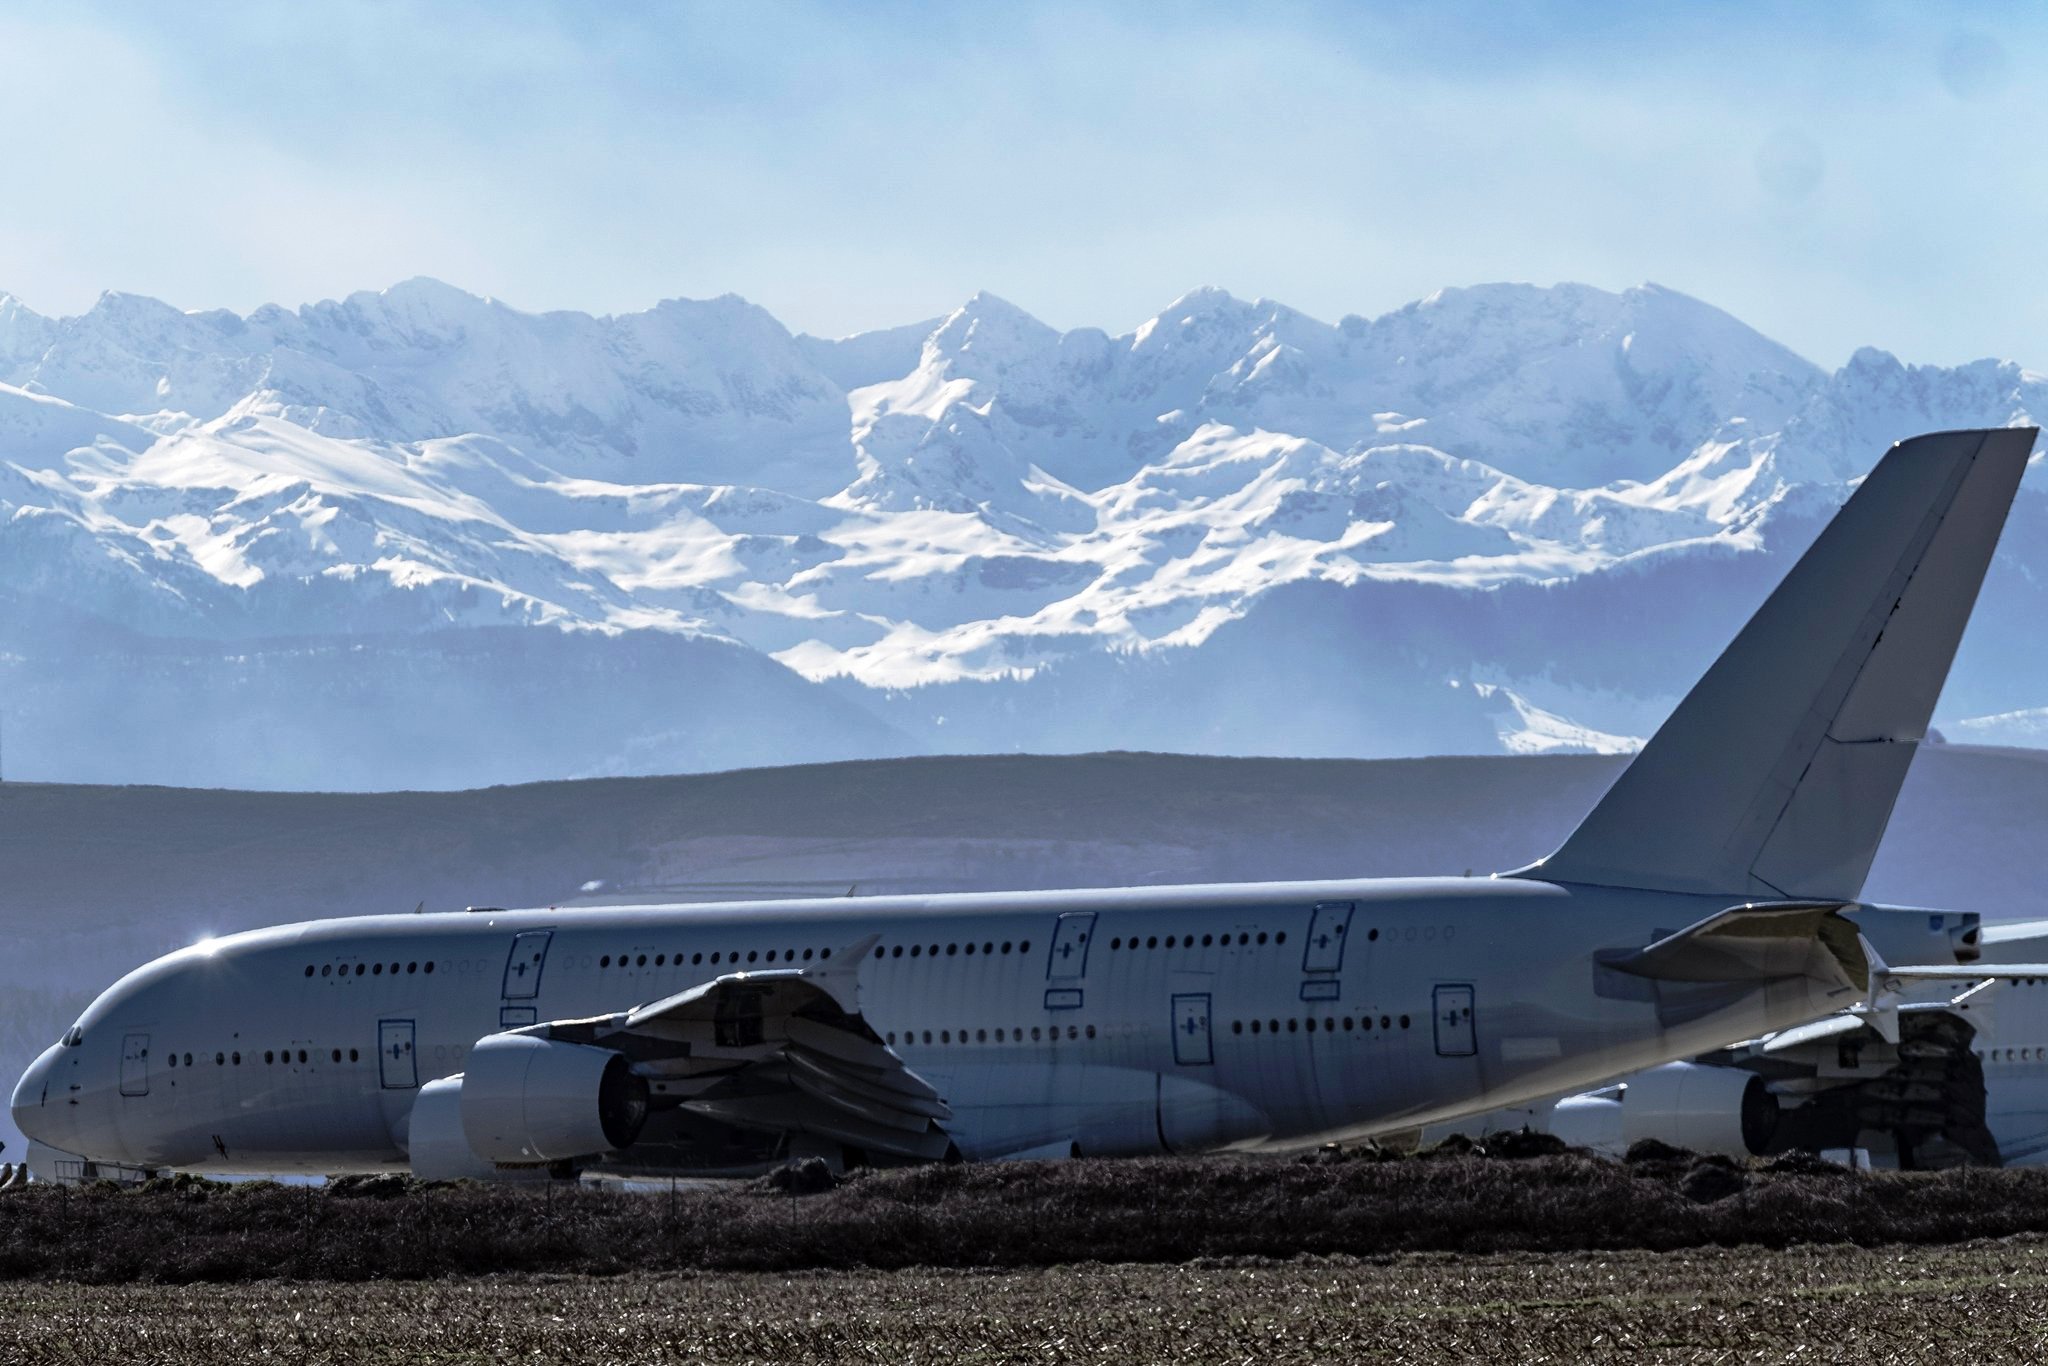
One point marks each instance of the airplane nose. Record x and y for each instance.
(32, 1116)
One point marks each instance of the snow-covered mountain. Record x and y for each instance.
(421, 538)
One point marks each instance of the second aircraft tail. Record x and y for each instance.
(1777, 774)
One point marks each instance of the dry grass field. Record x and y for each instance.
(1975, 1303)
(1438, 1257)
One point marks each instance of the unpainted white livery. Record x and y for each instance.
(1702, 901)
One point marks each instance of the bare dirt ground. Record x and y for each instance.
(1973, 1302)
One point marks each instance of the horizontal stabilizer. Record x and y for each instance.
(1777, 774)
(1758, 944)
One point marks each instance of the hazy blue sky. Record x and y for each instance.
(1835, 174)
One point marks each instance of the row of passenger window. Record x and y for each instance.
(270, 1058)
(1330, 1024)
(1039, 1034)
(1187, 941)
(715, 957)
(373, 969)
(989, 948)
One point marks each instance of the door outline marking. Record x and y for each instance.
(397, 1055)
(1193, 1044)
(135, 1064)
(1323, 949)
(1455, 1008)
(518, 960)
(1071, 934)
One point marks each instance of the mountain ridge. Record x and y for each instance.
(975, 532)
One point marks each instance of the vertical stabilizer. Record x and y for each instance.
(1776, 775)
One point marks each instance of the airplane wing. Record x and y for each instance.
(783, 1050)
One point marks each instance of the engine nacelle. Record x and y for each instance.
(1707, 1109)
(527, 1100)
(435, 1145)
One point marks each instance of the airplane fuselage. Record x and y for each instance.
(1122, 1021)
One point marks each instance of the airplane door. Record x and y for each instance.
(1068, 960)
(397, 1067)
(1324, 951)
(135, 1065)
(1191, 1046)
(1456, 1036)
(523, 964)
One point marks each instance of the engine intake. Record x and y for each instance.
(527, 1100)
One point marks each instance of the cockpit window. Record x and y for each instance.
(74, 1036)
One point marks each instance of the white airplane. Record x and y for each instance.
(1702, 901)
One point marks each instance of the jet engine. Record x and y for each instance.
(1706, 1109)
(435, 1145)
(527, 1100)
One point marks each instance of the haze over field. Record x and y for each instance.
(418, 538)
(99, 880)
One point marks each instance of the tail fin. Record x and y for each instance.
(1777, 773)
